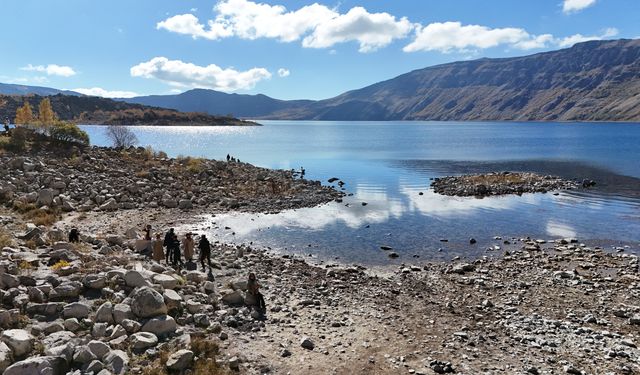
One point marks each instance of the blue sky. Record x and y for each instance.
(282, 48)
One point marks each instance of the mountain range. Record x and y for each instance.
(591, 81)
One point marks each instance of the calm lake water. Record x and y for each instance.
(387, 165)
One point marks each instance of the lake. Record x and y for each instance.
(388, 164)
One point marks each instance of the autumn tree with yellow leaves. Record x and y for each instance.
(24, 115)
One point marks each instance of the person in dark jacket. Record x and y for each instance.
(174, 248)
(168, 238)
(205, 251)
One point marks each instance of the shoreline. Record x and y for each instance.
(541, 307)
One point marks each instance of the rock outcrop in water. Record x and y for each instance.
(502, 183)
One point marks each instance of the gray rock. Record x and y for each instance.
(110, 205)
(99, 348)
(94, 367)
(39, 366)
(117, 361)
(65, 290)
(76, 310)
(135, 279)
(105, 313)
(167, 282)
(180, 360)
(185, 204)
(19, 340)
(307, 343)
(72, 325)
(83, 355)
(6, 356)
(143, 340)
(122, 311)
(94, 281)
(172, 299)
(233, 298)
(146, 303)
(161, 326)
(45, 197)
(131, 326)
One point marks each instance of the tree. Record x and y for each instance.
(121, 136)
(24, 114)
(68, 132)
(46, 116)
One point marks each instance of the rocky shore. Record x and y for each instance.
(545, 306)
(105, 179)
(501, 183)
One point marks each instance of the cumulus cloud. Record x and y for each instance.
(572, 6)
(578, 38)
(51, 70)
(453, 36)
(371, 31)
(97, 91)
(282, 72)
(320, 26)
(181, 74)
(450, 36)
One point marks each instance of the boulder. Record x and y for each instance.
(76, 310)
(66, 290)
(185, 204)
(172, 299)
(143, 340)
(105, 313)
(232, 297)
(83, 355)
(161, 326)
(94, 281)
(6, 356)
(135, 279)
(99, 348)
(180, 360)
(146, 303)
(49, 365)
(122, 311)
(307, 343)
(45, 197)
(110, 205)
(117, 361)
(19, 340)
(167, 282)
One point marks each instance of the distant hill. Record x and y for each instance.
(96, 110)
(591, 81)
(218, 103)
(12, 89)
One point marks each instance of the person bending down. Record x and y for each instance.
(253, 288)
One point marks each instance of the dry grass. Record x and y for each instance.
(205, 353)
(60, 264)
(492, 179)
(6, 240)
(36, 215)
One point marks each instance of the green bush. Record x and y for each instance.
(68, 132)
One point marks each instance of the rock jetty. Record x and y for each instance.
(502, 183)
(109, 180)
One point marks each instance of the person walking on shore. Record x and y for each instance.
(168, 238)
(158, 252)
(253, 289)
(187, 247)
(147, 232)
(205, 251)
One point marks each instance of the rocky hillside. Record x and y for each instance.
(95, 110)
(13, 89)
(591, 81)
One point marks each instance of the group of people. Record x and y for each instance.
(176, 248)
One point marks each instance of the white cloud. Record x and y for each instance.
(450, 36)
(97, 91)
(371, 31)
(180, 74)
(572, 6)
(282, 72)
(578, 38)
(320, 26)
(51, 70)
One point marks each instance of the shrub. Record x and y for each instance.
(18, 141)
(68, 132)
(5, 239)
(60, 264)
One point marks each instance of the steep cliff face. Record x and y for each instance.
(592, 81)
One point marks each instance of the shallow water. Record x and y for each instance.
(387, 165)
